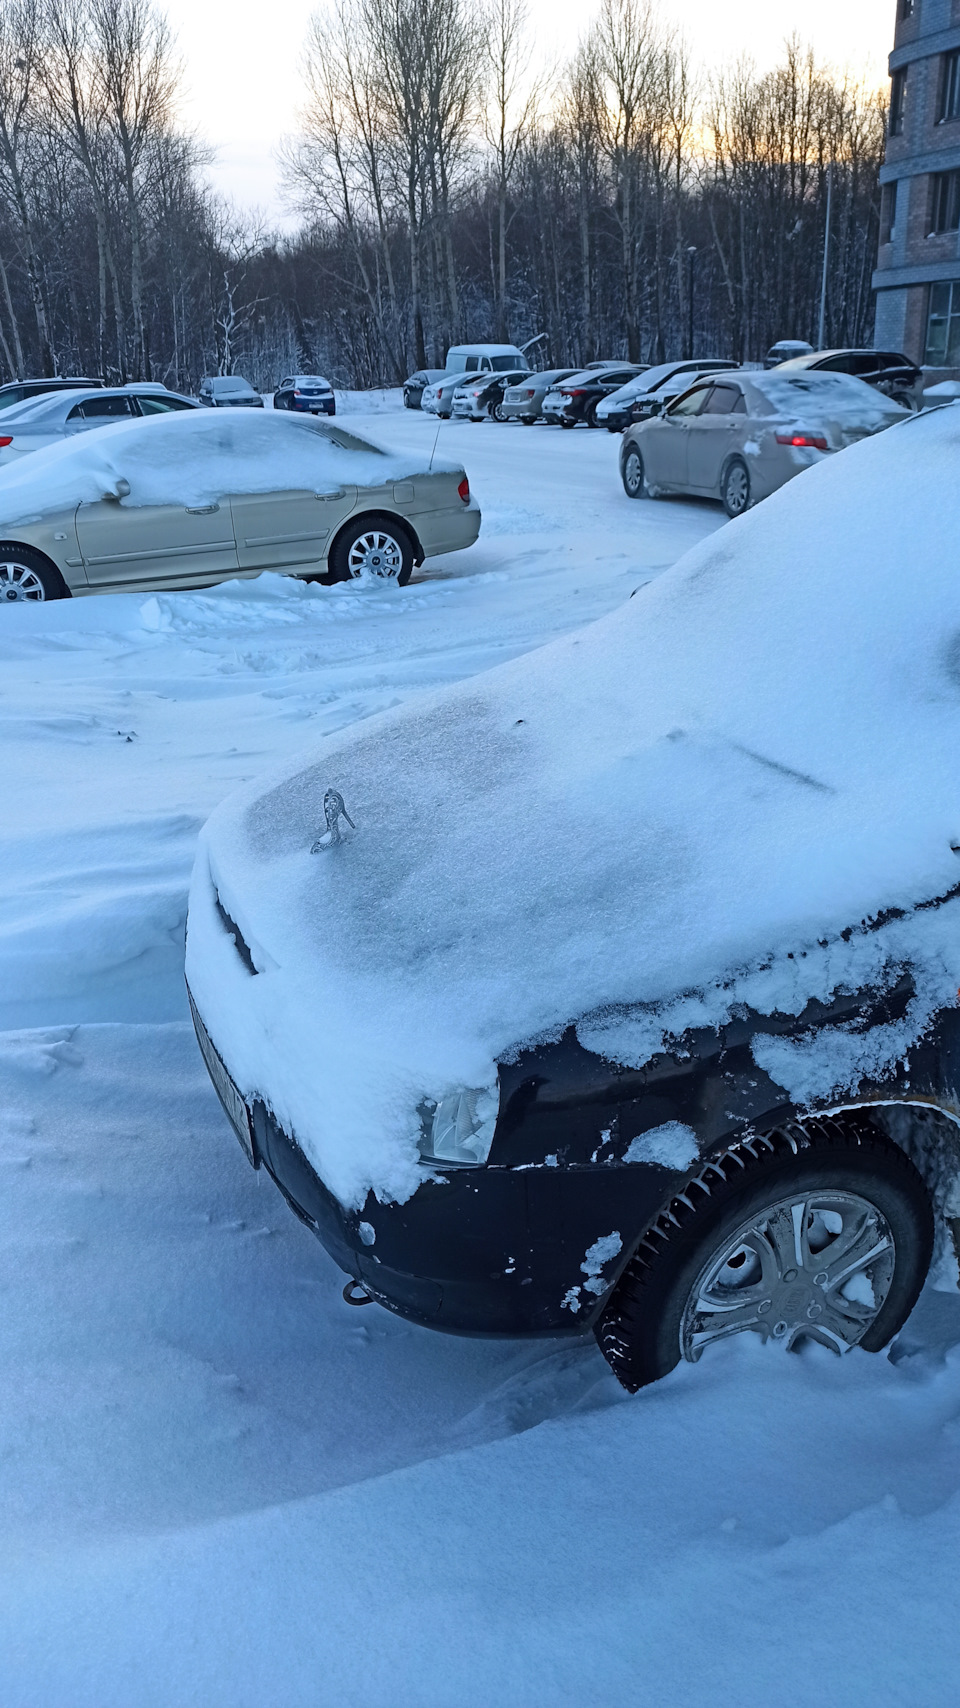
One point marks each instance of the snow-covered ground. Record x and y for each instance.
(221, 1485)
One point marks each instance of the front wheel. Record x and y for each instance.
(27, 577)
(631, 473)
(497, 412)
(821, 1234)
(565, 423)
(372, 546)
(735, 491)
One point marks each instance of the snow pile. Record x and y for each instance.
(370, 402)
(221, 1485)
(195, 458)
(754, 753)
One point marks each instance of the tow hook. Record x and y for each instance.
(355, 1293)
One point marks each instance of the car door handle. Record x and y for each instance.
(201, 509)
(328, 497)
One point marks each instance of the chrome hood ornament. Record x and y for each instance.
(333, 811)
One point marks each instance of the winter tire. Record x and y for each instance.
(735, 490)
(27, 576)
(372, 545)
(497, 412)
(592, 415)
(528, 420)
(565, 423)
(631, 473)
(819, 1233)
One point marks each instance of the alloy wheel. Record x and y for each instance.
(810, 1266)
(375, 553)
(19, 583)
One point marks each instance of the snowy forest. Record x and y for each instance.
(447, 185)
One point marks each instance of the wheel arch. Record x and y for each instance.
(926, 1132)
(372, 516)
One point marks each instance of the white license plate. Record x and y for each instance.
(224, 1087)
(553, 400)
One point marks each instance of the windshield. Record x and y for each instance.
(230, 385)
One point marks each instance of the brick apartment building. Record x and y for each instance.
(918, 267)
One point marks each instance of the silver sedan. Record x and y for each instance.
(192, 499)
(740, 435)
(59, 416)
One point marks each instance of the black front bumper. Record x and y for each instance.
(483, 1251)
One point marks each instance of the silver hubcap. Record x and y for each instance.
(817, 1266)
(19, 582)
(634, 472)
(738, 489)
(375, 553)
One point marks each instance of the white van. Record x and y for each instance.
(484, 358)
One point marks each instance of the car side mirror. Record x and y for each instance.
(120, 489)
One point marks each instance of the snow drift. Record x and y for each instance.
(634, 828)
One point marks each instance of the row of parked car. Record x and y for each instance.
(36, 413)
(500, 386)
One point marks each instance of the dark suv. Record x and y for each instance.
(19, 390)
(889, 370)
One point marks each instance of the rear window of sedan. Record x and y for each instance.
(786, 393)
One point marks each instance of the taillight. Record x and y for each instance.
(463, 490)
(7, 441)
(528, 394)
(813, 441)
(576, 393)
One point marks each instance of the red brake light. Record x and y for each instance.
(577, 391)
(7, 441)
(814, 441)
(463, 490)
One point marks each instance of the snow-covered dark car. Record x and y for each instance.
(889, 370)
(480, 396)
(416, 384)
(617, 988)
(308, 394)
(228, 391)
(19, 391)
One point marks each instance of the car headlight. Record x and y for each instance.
(459, 1128)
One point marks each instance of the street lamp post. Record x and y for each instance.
(691, 259)
(826, 256)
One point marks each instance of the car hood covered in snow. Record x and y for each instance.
(675, 810)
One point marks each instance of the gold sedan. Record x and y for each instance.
(191, 499)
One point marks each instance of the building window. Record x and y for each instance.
(943, 327)
(888, 213)
(945, 204)
(949, 107)
(898, 101)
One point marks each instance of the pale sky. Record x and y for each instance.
(244, 86)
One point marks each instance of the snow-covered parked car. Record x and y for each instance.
(190, 499)
(480, 396)
(741, 435)
(228, 391)
(437, 399)
(647, 393)
(617, 988)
